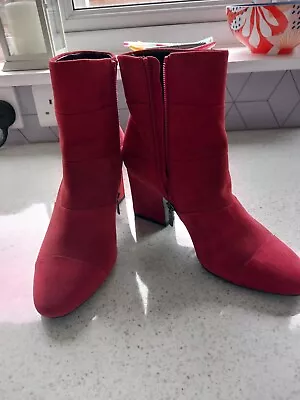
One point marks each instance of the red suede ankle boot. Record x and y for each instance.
(79, 249)
(176, 149)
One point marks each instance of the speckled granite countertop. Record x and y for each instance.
(161, 327)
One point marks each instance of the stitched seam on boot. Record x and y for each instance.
(85, 112)
(89, 160)
(217, 210)
(86, 209)
(255, 252)
(214, 151)
(203, 106)
(46, 257)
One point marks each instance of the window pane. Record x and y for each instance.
(81, 4)
(85, 4)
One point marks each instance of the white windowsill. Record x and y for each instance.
(240, 60)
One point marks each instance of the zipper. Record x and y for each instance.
(165, 117)
(171, 208)
(115, 63)
(156, 141)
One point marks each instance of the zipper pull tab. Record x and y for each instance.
(171, 210)
(118, 204)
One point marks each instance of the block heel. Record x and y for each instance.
(150, 204)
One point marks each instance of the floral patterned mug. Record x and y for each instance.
(269, 28)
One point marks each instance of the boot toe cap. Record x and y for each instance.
(62, 284)
(274, 268)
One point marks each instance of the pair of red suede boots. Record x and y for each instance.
(175, 150)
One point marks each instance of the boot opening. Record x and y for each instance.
(84, 55)
(157, 53)
(160, 54)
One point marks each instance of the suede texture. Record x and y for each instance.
(176, 145)
(79, 249)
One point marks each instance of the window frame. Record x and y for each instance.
(141, 15)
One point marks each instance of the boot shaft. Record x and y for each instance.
(84, 87)
(176, 101)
